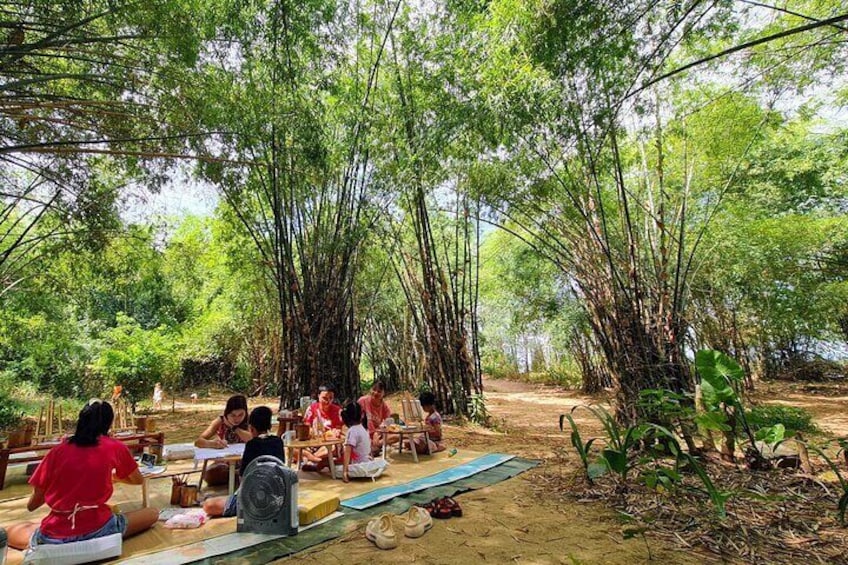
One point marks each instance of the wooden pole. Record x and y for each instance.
(49, 428)
(38, 428)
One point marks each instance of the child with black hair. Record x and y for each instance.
(263, 443)
(434, 421)
(357, 460)
(75, 480)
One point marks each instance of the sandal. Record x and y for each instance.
(441, 511)
(455, 508)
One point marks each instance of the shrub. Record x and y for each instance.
(135, 358)
(498, 365)
(10, 412)
(793, 419)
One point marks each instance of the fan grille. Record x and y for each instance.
(265, 495)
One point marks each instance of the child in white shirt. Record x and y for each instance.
(357, 460)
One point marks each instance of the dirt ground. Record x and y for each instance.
(526, 519)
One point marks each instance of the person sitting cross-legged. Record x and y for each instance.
(263, 443)
(326, 415)
(75, 480)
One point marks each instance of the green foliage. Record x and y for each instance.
(620, 444)
(794, 419)
(497, 364)
(720, 377)
(717, 496)
(842, 504)
(477, 411)
(583, 449)
(772, 435)
(11, 412)
(135, 358)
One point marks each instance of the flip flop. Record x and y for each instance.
(455, 508)
(441, 512)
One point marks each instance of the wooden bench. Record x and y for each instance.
(136, 442)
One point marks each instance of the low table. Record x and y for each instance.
(145, 487)
(136, 442)
(330, 444)
(409, 432)
(230, 455)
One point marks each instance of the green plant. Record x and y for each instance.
(477, 411)
(842, 505)
(792, 418)
(620, 442)
(11, 413)
(721, 377)
(583, 449)
(717, 496)
(673, 410)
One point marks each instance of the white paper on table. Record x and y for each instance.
(152, 470)
(203, 453)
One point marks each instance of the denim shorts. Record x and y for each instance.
(231, 507)
(117, 524)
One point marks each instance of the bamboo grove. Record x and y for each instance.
(363, 152)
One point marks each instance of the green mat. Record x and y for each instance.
(283, 547)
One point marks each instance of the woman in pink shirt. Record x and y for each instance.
(376, 410)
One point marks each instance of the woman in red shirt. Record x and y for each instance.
(328, 415)
(75, 480)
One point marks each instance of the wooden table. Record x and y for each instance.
(410, 432)
(330, 444)
(230, 455)
(136, 442)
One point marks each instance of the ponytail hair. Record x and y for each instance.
(352, 415)
(94, 421)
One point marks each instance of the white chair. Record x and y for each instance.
(72, 553)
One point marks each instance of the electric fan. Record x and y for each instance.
(267, 498)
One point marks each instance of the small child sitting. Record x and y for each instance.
(357, 460)
(434, 421)
(263, 443)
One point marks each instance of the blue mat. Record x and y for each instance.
(443, 477)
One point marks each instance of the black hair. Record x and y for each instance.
(427, 398)
(237, 402)
(260, 419)
(378, 386)
(94, 421)
(327, 388)
(352, 415)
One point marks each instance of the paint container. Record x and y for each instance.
(188, 496)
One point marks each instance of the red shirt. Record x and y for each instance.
(332, 417)
(71, 475)
(375, 415)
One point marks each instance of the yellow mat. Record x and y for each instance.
(402, 469)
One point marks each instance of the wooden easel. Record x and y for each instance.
(50, 424)
(412, 410)
(123, 415)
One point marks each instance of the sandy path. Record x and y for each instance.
(511, 522)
